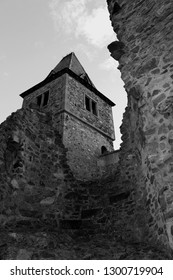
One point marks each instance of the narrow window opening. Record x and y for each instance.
(39, 98)
(42, 99)
(91, 105)
(103, 150)
(94, 108)
(87, 103)
(45, 98)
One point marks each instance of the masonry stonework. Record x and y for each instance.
(145, 54)
(56, 101)
(84, 130)
(34, 174)
(64, 193)
(85, 133)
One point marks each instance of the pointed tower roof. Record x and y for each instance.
(71, 62)
(71, 65)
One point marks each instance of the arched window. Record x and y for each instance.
(103, 150)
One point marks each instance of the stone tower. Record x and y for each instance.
(82, 114)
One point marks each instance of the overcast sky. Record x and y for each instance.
(36, 34)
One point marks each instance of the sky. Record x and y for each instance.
(36, 34)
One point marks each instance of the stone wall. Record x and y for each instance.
(39, 196)
(145, 55)
(37, 186)
(34, 175)
(56, 102)
(44, 212)
(108, 163)
(83, 133)
(75, 104)
(84, 147)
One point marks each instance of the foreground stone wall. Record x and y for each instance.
(45, 213)
(41, 203)
(38, 190)
(34, 175)
(145, 55)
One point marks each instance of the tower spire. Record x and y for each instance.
(71, 62)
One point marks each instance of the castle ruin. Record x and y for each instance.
(49, 144)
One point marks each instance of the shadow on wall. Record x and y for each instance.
(108, 162)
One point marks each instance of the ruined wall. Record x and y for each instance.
(40, 200)
(34, 175)
(145, 55)
(44, 212)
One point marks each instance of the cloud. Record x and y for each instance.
(86, 50)
(65, 13)
(109, 64)
(96, 27)
(83, 19)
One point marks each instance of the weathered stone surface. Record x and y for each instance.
(46, 213)
(15, 184)
(30, 185)
(84, 130)
(23, 255)
(144, 27)
(117, 49)
(47, 201)
(74, 245)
